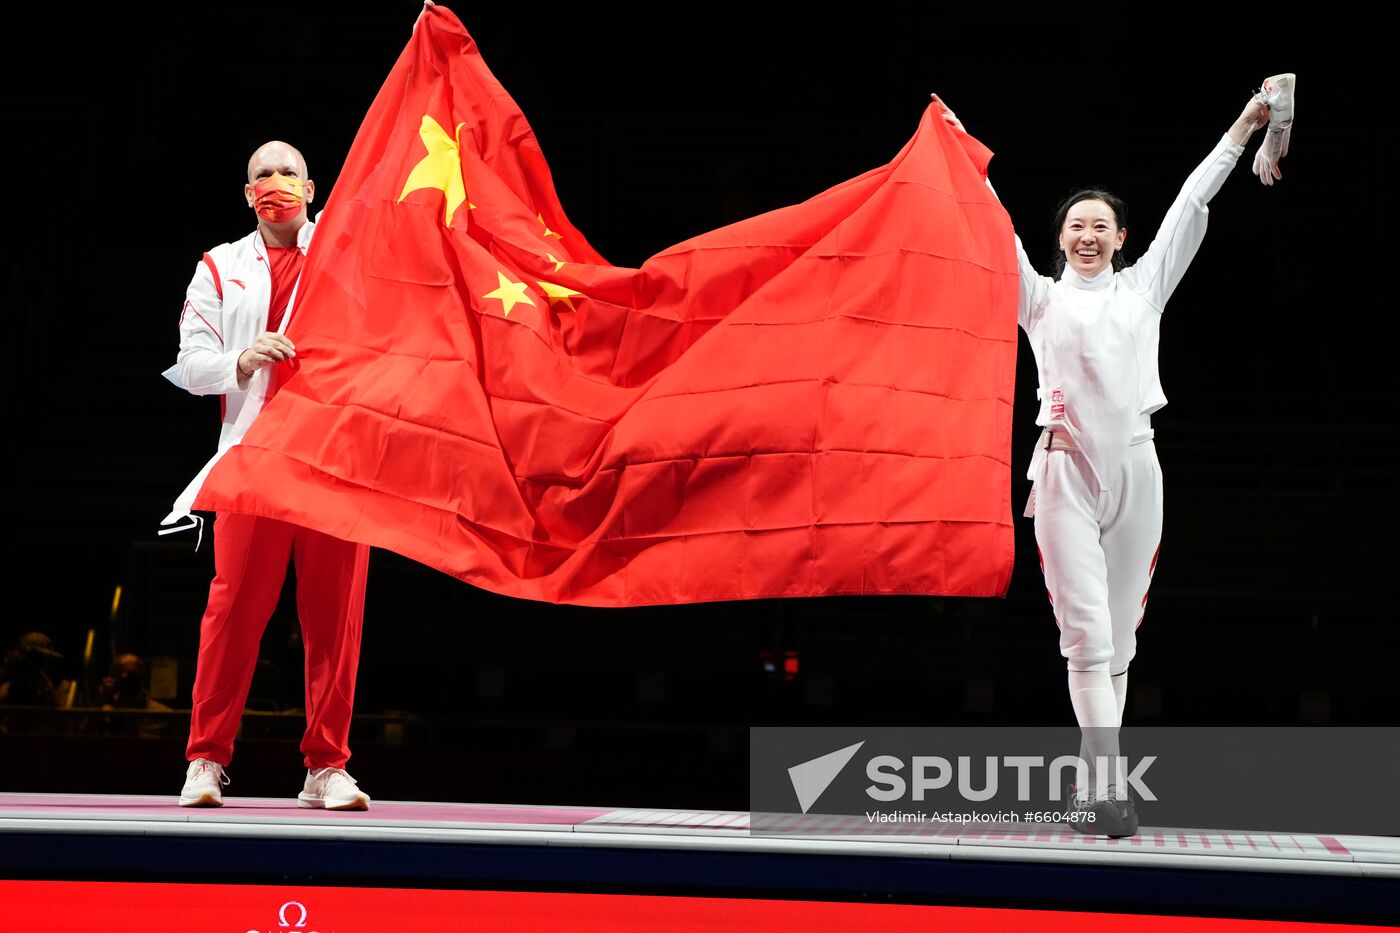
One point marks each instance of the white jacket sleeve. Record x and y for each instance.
(1035, 288)
(205, 365)
(1156, 275)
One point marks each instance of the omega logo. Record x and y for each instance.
(282, 914)
(291, 916)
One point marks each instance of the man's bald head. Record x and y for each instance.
(276, 156)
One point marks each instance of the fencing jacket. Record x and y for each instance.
(1095, 339)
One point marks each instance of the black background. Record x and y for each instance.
(128, 133)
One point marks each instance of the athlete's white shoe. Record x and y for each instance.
(332, 789)
(203, 784)
(1277, 93)
(1112, 815)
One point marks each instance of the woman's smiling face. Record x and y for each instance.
(1090, 236)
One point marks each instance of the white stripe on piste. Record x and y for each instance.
(636, 816)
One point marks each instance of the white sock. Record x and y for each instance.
(1094, 700)
(1096, 707)
(1120, 692)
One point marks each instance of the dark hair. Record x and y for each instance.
(1120, 217)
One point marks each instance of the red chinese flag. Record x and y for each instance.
(814, 401)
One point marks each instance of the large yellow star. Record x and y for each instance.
(509, 293)
(547, 231)
(559, 293)
(441, 168)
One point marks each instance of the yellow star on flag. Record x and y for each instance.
(558, 263)
(559, 293)
(547, 231)
(509, 293)
(441, 168)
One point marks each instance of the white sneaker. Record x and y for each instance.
(203, 784)
(333, 789)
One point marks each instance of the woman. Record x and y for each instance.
(1097, 493)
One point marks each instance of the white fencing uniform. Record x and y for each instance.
(1097, 498)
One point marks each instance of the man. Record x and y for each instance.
(24, 676)
(231, 345)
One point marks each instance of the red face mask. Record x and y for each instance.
(277, 198)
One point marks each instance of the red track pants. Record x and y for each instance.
(250, 563)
